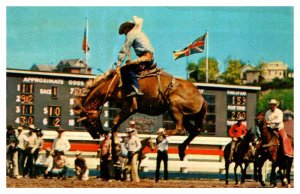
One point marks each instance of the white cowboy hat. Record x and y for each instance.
(273, 101)
(160, 130)
(31, 126)
(132, 122)
(130, 130)
(77, 153)
(123, 26)
(20, 128)
(240, 118)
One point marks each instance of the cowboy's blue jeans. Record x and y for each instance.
(129, 78)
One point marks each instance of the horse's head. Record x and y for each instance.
(88, 104)
(260, 119)
(147, 142)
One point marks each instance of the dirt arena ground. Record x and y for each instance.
(144, 183)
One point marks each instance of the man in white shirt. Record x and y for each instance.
(141, 44)
(23, 141)
(31, 147)
(274, 119)
(133, 145)
(162, 154)
(44, 163)
(60, 142)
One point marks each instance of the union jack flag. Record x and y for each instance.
(196, 47)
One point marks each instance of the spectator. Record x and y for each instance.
(60, 168)
(40, 143)
(81, 169)
(29, 151)
(44, 164)
(22, 145)
(162, 154)
(11, 151)
(106, 162)
(132, 125)
(133, 146)
(60, 142)
(236, 132)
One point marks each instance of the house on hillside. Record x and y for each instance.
(267, 72)
(43, 67)
(77, 66)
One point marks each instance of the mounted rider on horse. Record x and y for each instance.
(274, 119)
(138, 40)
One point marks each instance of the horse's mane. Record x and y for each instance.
(99, 79)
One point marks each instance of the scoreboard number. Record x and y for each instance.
(54, 116)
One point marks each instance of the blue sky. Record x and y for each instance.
(46, 35)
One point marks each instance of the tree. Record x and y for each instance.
(197, 72)
(232, 73)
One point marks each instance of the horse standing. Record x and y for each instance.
(146, 142)
(162, 93)
(274, 153)
(242, 155)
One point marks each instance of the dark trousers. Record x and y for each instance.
(39, 169)
(21, 160)
(129, 77)
(162, 156)
(107, 169)
(29, 168)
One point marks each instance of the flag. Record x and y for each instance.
(196, 47)
(85, 46)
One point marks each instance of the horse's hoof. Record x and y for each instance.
(181, 152)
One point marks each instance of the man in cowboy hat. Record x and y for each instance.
(60, 167)
(133, 146)
(162, 154)
(106, 162)
(22, 145)
(274, 119)
(81, 169)
(30, 149)
(44, 163)
(60, 142)
(137, 39)
(11, 151)
(237, 131)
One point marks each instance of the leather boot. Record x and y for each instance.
(137, 91)
(286, 143)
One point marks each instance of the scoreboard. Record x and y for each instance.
(43, 99)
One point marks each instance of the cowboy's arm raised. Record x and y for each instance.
(138, 23)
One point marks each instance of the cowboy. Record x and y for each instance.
(22, 145)
(237, 131)
(81, 169)
(106, 162)
(60, 167)
(274, 119)
(60, 142)
(162, 153)
(40, 142)
(137, 39)
(11, 150)
(133, 146)
(29, 151)
(44, 163)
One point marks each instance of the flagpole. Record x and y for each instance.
(86, 47)
(206, 56)
(187, 63)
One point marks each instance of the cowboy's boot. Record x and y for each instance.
(287, 146)
(137, 91)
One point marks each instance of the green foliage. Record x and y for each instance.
(197, 72)
(284, 96)
(232, 73)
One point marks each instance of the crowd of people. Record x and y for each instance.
(30, 159)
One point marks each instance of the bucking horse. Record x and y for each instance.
(162, 93)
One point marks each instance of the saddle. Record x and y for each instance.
(153, 70)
